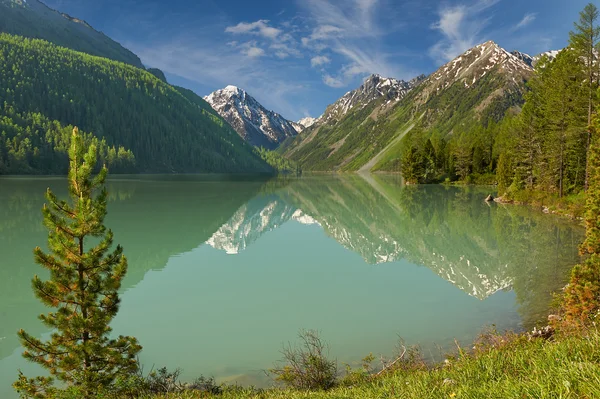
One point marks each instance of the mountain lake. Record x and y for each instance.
(225, 270)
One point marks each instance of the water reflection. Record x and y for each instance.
(331, 252)
(481, 248)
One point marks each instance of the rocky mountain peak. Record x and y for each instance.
(307, 121)
(373, 88)
(253, 122)
(476, 63)
(526, 58)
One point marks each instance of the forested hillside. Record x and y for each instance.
(167, 129)
(32, 144)
(33, 19)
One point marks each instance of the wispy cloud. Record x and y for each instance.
(527, 19)
(354, 31)
(319, 60)
(461, 27)
(260, 28)
(253, 51)
(281, 42)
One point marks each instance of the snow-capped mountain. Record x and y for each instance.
(373, 88)
(526, 58)
(253, 122)
(475, 64)
(307, 122)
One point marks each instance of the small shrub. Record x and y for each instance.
(205, 384)
(360, 375)
(307, 367)
(164, 381)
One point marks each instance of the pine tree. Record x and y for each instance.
(504, 173)
(585, 41)
(562, 106)
(83, 287)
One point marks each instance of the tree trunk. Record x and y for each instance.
(85, 335)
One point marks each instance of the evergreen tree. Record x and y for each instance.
(585, 41)
(527, 140)
(429, 161)
(582, 295)
(504, 173)
(563, 124)
(412, 165)
(83, 287)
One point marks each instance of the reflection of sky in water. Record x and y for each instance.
(220, 278)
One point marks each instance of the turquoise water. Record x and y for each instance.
(224, 271)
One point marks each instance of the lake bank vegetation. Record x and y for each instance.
(538, 154)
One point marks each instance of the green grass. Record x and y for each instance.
(516, 368)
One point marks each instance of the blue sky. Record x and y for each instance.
(298, 56)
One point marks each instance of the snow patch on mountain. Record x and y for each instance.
(373, 88)
(307, 122)
(475, 64)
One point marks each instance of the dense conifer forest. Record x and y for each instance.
(167, 129)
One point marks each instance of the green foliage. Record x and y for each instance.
(158, 73)
(277, 161)
(83, 287)
(168, 129)
(359, 375)
(412, 165)
(32, 144)
(307, 367)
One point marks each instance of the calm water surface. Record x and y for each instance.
(225, 271)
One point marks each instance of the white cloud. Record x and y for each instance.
(253, 51)
(527, 19)
(281, 43)
(461, 28)
(260, 28)
(286, 49)
(319, 60)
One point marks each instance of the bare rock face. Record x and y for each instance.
(373, 88)
(253, 122)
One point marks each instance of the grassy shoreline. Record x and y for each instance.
(507, 366)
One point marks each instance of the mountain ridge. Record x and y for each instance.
(34, 19)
